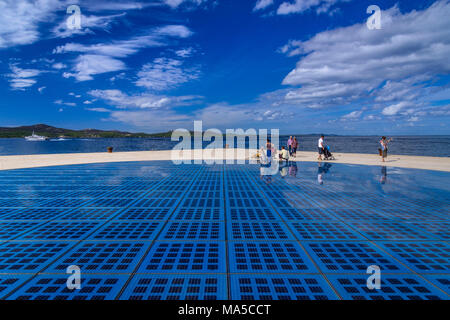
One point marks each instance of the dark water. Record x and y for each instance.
(407, 145)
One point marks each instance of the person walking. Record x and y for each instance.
(321, 147)
(289, 143)
(294, 147)
(384, 147)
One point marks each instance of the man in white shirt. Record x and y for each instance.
(284, 154)
(321, 147)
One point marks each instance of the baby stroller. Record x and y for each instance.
(327, 153)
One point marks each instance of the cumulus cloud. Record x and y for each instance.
(22, 78)
(164, 73)
(390, 68)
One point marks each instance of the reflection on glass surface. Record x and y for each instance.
(322, 170)
(383, 177)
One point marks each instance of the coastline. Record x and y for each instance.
(46, 160)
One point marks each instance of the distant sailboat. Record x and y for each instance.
(35, 137)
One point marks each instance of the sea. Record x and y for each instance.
(438, 146)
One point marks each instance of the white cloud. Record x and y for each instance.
(22, 78)
(41, 89)
(59, 66)
(262, 4)
(413, 119)
(394, 109)
(177, 3)
(19, 20)
(122, 48)
(88, 23)
(98, 109)
(118, 5)
(103, 57)
(164, 73)
(88, 65)
(60, 102)
(352, 115)
(185, 53)
(388, 69)
(299, 6)
(141, 101)
(292, 48)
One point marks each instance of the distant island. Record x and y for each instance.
(53, 132)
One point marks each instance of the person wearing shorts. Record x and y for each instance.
(321, 147)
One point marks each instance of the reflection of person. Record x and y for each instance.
(270, 150)
(383, 177)
(283, 170)
(269, 167)
(293, 169)
(384, 147)
(321, 171)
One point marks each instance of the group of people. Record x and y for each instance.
(285, 166)
(323, 149)
(292, 145)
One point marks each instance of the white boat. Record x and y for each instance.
(35, 137)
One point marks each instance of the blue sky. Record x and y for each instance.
(303, 66)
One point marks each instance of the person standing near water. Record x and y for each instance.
(384, 147)
(270, 151)
(321, 147)
(294, 147)
(289, 143)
